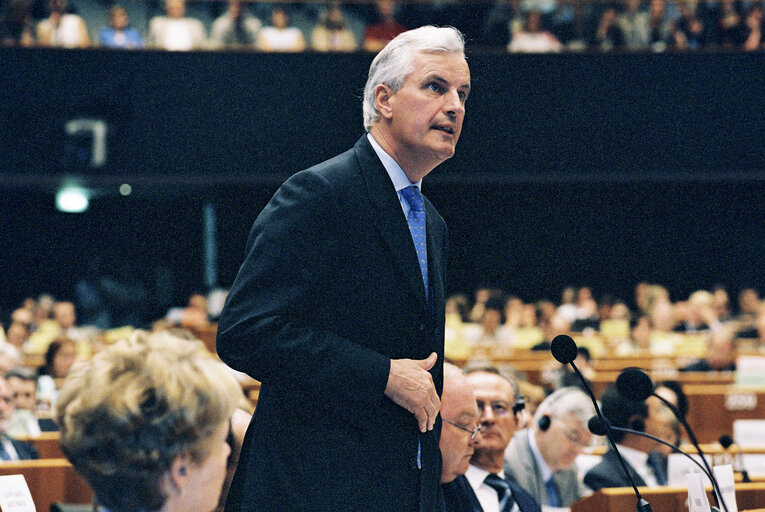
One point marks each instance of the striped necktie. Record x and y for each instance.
(503, 491)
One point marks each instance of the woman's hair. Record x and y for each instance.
(50, 355)
(392, 65)
(129, 412)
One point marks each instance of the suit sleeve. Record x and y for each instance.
(264, 329)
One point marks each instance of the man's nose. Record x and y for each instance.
(454, 105)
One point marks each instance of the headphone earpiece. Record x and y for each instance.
(182, 470)
(519, 405)
(544, 422)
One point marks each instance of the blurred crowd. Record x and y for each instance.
(528, 26)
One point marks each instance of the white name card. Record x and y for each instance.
(15, 495)
(697, 496)
(724, 476)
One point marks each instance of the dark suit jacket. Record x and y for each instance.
(459, 497)
(25, 451)
(329, 292)
(609, 473)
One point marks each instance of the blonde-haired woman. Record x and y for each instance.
(146, 421)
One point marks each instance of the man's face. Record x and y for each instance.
(562, 442)
(426, 113)
(457, 406)
(6, 404)
(495, 398)
(24, 393)
(64, 314)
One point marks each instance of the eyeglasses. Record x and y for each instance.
(473, 432)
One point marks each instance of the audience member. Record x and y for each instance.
(235, 27)
(692, 33)
(146, 424)
(533, 38)
(11, 449)
(541, 459)
(460, 429)
(175, 31)
(332, 34)
(635, 26)
(729, 26)
(118, 34)
(59, 359)
(748, 309)
(279, 36)
(23, 384)
(384, 29)
(62, 29)
(502, 21)
(17, 335)
(16, 26)
(660, 25)
(721, 354)
(485, 485)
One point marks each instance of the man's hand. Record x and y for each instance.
(411, 386)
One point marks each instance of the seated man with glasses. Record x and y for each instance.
(460, 431)
(485, 486)
(542, 458)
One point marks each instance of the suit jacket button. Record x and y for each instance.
(422, 327)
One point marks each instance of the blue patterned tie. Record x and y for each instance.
(553, 494)
(416, 221)
(503, 491)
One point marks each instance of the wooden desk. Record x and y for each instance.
(50, 481)
(713, 408)
(47, 444)
(671, 499)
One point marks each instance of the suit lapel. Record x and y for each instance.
(389, 218)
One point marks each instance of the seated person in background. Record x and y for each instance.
(175, 31)
(23, 383)
(62, 29)
(17, 335)
(384, 29)
(460, 429)
(279, 36)
(11, 449)
(59, 359)
(485, 485)
(119, 33)
(624, 413)
(235, 27)
(721, 354)
(331, 34)
(541, 459)
(16, 26)
(145, 422)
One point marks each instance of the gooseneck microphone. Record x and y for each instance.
(635, 384)
(563, 349)
(726, 442)
(600, 426)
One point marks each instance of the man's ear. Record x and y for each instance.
(383, 95)
(178, 474)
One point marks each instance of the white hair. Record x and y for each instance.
(394, 62)
(565, 401)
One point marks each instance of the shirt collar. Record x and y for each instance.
(541, 464)
(476, 476)
(396, 173)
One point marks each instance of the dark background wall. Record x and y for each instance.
(597, 170)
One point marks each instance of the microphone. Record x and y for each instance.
(635, 384)
(726, 442)
(563, 349)
(599, 427)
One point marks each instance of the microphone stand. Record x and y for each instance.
(695, 443)
(642, 505)
(715, 487)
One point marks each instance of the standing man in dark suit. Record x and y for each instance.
(338, 308)
(485, 487)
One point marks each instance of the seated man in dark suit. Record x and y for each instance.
(11, 449)
(645, 470)
(721, 354)
(484, 487)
